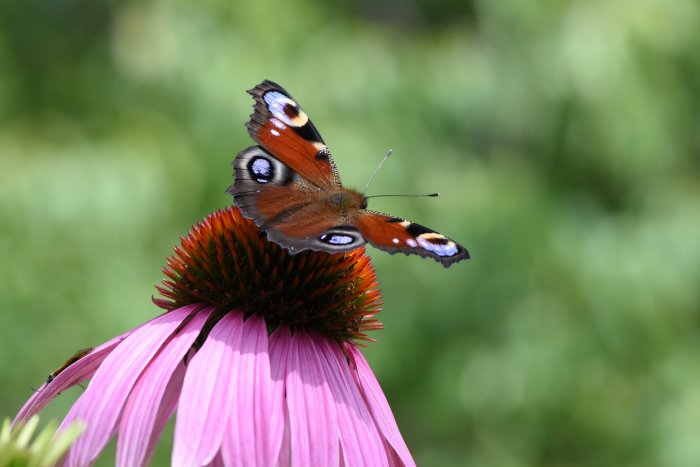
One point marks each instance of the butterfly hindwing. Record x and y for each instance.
(397, 235)
(263, 186)
(287, 207)
(316, 228)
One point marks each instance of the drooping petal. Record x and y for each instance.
(139, 417)
(101, 404)
(249, 439)
(74, 374)
(207, 395)
(312, 414)
(279, 343)
(360, 440)
(379, 407)
(167, 409)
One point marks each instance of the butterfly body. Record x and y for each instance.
(290, 187)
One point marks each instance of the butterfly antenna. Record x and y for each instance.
(388, 153)
(430, 195)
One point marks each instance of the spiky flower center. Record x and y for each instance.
(227, 262)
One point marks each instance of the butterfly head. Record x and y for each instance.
(346, 200)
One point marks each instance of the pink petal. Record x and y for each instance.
(285, 458)
(146, 398)
(167, 408)
(279, 344)
(312, 415)
(361, 442)
(218, 461)
(101, 404)
(207, 395)
(379, 407)
(74, 374)
(250, 440)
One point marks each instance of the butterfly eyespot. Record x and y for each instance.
(337, 239)
(291, 110)
(261, 169)
(437, 240)
(285, 109)
(438, 244)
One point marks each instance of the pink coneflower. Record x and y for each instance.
(255, 353)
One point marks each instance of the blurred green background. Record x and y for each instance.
(564, 137)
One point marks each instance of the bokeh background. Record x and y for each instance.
(564, 137)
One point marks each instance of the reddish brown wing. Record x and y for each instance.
(316, 226)
(287, 208)
(279, 124)
(396, 235)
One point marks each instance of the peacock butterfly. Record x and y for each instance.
(290, 187)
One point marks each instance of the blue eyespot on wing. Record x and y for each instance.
(397, 235)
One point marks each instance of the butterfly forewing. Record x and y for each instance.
(281, 126)
(397, 235)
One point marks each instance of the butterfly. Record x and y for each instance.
(290, 187)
